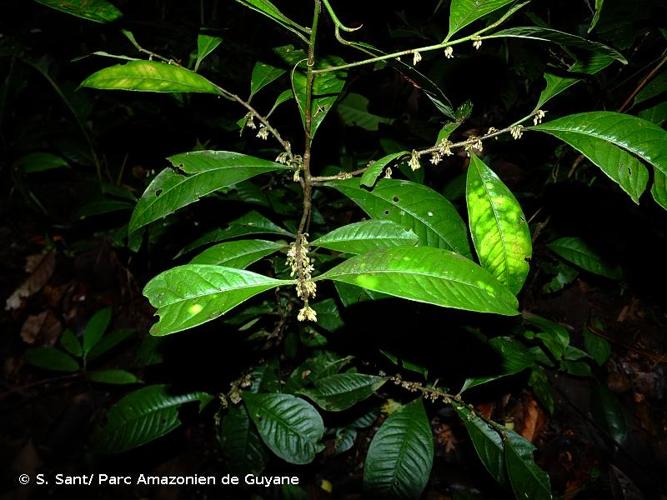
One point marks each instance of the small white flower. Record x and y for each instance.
(538, 116)
(414, 161)
(449, 52)
(263, 132)
(436, 158)
(307, 314)
(477, 43)
(416, 57)
(250, 121)
(517, 131)
(445, 148)
(388, 172)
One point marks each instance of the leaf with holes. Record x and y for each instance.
(238, 254)
(291, 427)
(414, 206)
(429, 275)
(362, 237)
(143, 416)
(576, 251)
(498, 226)
(400, 456)
(99, 11)
(343, 390)
(189, 295)
(203, 172)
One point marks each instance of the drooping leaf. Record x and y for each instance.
(559, 37)
(353, 110)
(204, 172)
(113, 376)
(189, 295)
(238, 254)
(362, 237)
(464, 12)
(526, 477)
(150, 76)
(343, 390)
(659, 188)
(414, 206)
(498, 226)
(241, 445)
(40, 162)
(268, 9)
(400, 456)
(376, 167)
(291, 427)
(576, 251)
(429, 275)
(205, 45)
(263, 75)
(50, 358)
(99, 11)
(95, 329)
(143, 416)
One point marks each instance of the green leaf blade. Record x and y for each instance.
(50, 358)
(365, 236)
(526, 478)
(242, 448)
(95, 329)
(99, 11)
(376, 167)
(576, 251)
(237, 254)
(263, 75)
(464, 12)
(342, 391)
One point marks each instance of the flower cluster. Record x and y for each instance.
(516, 131)
(416, 57)
(263, 132)
(476, 42)
(300, 266)
(473, 144)
(449, 52)
(414, 161)
(444, 149)
(538, 116)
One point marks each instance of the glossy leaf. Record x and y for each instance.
(189, 295)
(203, 172)
(353, 110)
(95, 329)
(362, 237)
(464, 12)
(659, 188)
(205, 45)
(263, 75)
(577, 252)
(149, 76)
(414, 206)
(143, 416)
(558, 37)
(113, 376)
(608, 412)
(241, 446)
(376, 168)
(343, 390)
(429, 275)
(596, 16)
(50, 358)
(498, 226)
(526, 477)
(268, 9)
(345, 438)
(400, 456)
(99, 11)
(291, 427)
(238, 254)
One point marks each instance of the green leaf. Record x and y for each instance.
(203, 172)
(659, 188)
(189, 295)
(526, 478)
(464, 12)
(39, 162)
(542, 389)
(351, 294)
(429, 275)
(353, 110)
(577, 252)
(607, 410)
(376, 168)
(343, 390)
(414, 206)
(596, 15)
(205, 45)
(112, 376)
(487, 442)
(291, 427)
(50, 358)
(585, 67)
(108, 342)
(237, 254)
(71, 343)
(242, 448)
(400, 456)
(143, 416)
(263, 75)
(558, 37)
(95, 329)
(149, 76)
(103, 206)
(269, 10)
(597, 347)
(328, 315)
(498, 226)
(345, 438)
(99, 11)
(554, 336)
(362, 237)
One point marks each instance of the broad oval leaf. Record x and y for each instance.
(429, 275)
(189, 295)
(414, 206)
(50, 358)
(143, 416)
(343, 390)
(238, 254)
(70, 342)
(362, 237)
(95, 329)
(376, 167)
(203, 172)
(99, 11)
(576, 251)
(464, 12)
(400, 456)
(291, 427)
(149, 76)
(499, 229)
(242, 448)
(526, 478)
(263, 75)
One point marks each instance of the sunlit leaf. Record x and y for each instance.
(238, 254)
(362, 237)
